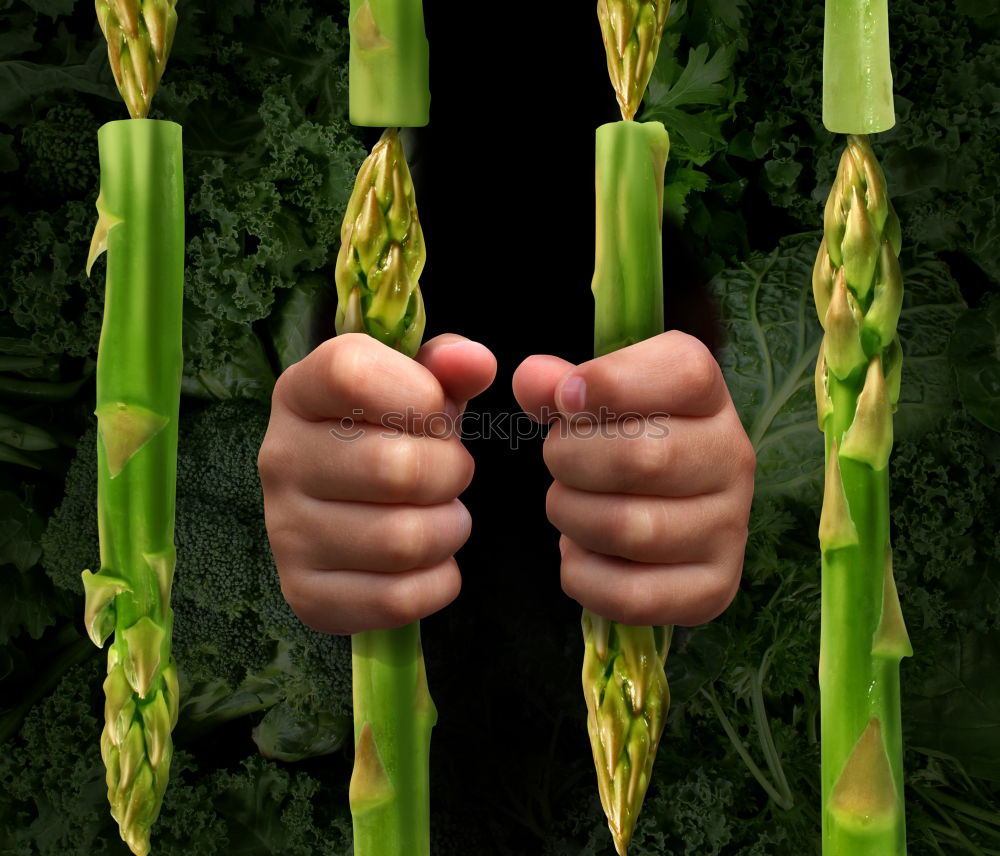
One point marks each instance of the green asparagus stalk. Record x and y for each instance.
(378, 268)
(139, 35)
(858, 291)
(857, 80)
(139, 363)
(632, 30)
(623, 679)
(389, 64)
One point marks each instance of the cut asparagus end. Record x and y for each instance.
(857, 78)
(628, 264)
(139, 34)
(389, 64)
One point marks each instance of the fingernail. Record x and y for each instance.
(573, 394)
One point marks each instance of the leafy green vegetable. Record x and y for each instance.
(770, 357)
(939, 160)
(238, 646)
(975, 354)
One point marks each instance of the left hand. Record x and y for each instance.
(652, 508)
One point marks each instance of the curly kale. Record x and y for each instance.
(53, 799)
(239, 647)
(48, 295)
(940, 160)
(261, 91)
(947, 552)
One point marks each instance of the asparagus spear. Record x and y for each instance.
(139, 365)
(858, 290)
(382, 252)
(389, 64)
(623, 679)
(632, 30)
(378, 268)
(139, 35)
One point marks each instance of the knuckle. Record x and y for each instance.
(407, 545)
(301, 604)
(397, 467)
(645, 460)
(553, 506)
(465, 468)
(698, 368)
(461, 529)
(399, 603)
(345, 363)
(275, 460)
(282, 536)
(719, 584)
(747, 458)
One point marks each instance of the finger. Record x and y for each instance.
(679, 456)
(637, 594)
(347, 602)
(647, 528)
(347, 460)
(463, 368)
(355, 375)
(361, 537)
(535, 382)
(671, 373)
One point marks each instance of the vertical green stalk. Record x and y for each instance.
(378, 271)
(389, 64)
(623, 679)
(139, 364)
(857, 80)
(858, 291)
(628, 264)
(394, 715)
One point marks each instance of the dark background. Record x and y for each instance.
(504, 179)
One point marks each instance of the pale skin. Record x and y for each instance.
(652, 522)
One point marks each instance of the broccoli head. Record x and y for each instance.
(239, 648)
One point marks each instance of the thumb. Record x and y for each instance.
(535, 382)
(463, 368)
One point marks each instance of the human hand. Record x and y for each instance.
(653, 510)
(361, 468)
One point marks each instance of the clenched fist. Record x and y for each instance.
(653, 479)
(361, 467)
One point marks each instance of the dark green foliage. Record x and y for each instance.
(269, 163)
(260, 88)
(53, 799)
(239, 647)
(940, 160)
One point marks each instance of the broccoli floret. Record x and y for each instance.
(239, 647)
(61, 158)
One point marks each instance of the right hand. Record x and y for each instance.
(364, 519)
